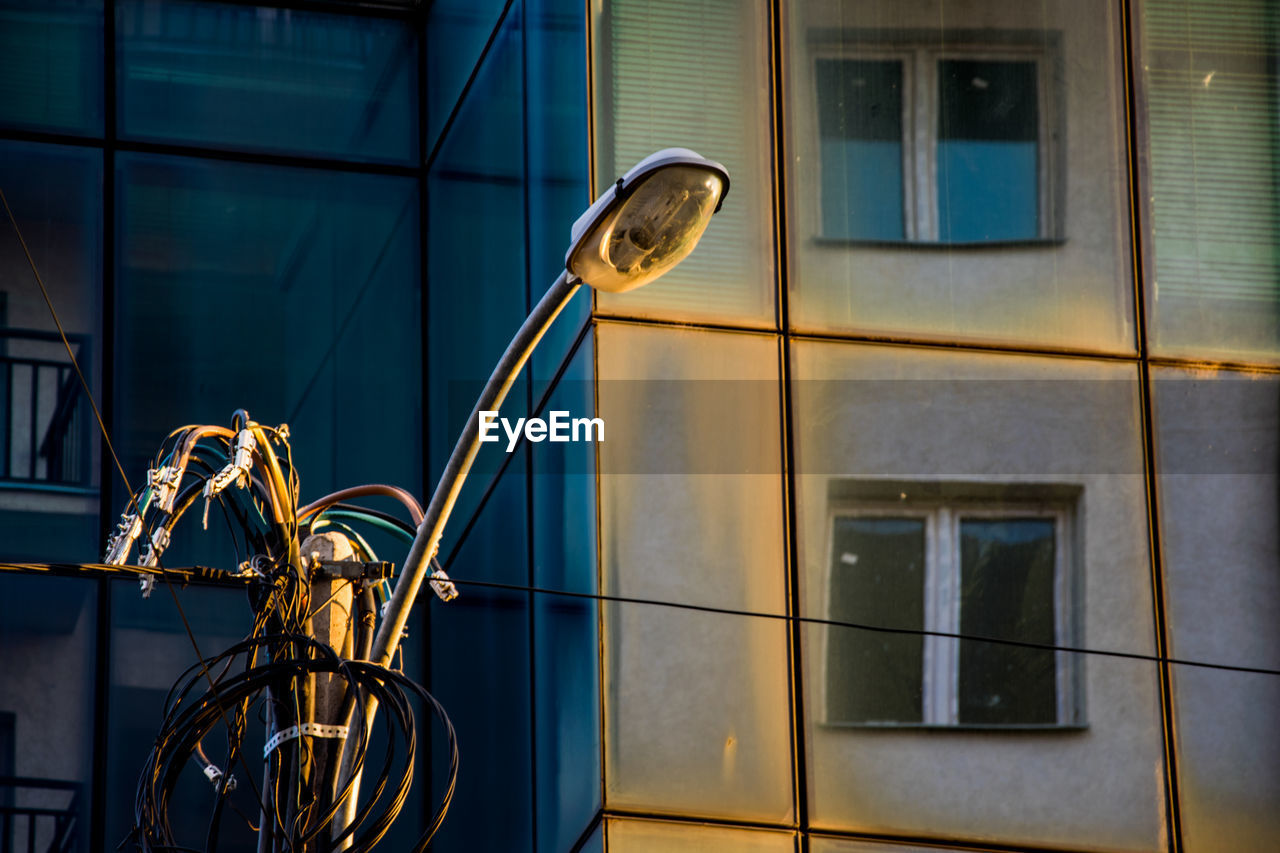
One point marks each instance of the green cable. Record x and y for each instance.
(380, 523)
(362, 546)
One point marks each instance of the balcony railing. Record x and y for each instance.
(40, 815)
(45, 422)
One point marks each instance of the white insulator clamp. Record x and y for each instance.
(159, 541)
(442, 586)
(165, 481)
(121, 542)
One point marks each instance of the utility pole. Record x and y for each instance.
(307, 658)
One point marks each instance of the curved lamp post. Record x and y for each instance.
(640, 228)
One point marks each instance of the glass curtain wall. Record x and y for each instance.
(333, 215)
(1001, 276)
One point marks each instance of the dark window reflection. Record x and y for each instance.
(48, 436)
(988, 162)
(1006, 577)
(271, 79)
(877, 578)
(289, 292)
(51, 65)
(860, 123)
(943, 571)
(47, 632)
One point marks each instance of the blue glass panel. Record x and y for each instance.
(595, 843)
(48, 628)
(150, 649)
(480, 673)
(556, 69)
(477, 266)
(289, 292)
(988, 157)
(457, 31)
(51, 65)
(862, 189)
(566, 628)
(268, 79)
(48, 436)
(860, 133)
(987, 191)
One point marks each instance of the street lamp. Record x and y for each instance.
(647, 222)
(638, 229)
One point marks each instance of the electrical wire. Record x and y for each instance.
(863, 626)
(200, 574)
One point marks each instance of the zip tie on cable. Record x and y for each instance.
(313, 729)
(214, 775)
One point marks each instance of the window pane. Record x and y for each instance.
(566, 629)
(48, 633)
(696, 709)
(150, 649)
(268, 79)
(860, 122)
(595, 843)
(484, 685)
(289, 292)
(673, 533)
(1218, 452)
(1010, 163)
(877, 578)
(457, 31)
(559, 178)
(908, 427)
(692, 449)
(668, 72)
(988, 162)
(1213, 124)
(51, 65)
(1006, 592)
(476, 301)
(643, 836)
(49, 439)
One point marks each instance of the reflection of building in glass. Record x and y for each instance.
(971, 559)
(954, 144)
(984, 343)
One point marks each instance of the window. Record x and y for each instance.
(972, 565)
(937, 145)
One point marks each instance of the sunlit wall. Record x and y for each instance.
(982, 347)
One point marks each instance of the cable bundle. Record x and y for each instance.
(316, 756)
(189, 718)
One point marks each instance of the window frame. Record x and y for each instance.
(940, 663)
(921, 103)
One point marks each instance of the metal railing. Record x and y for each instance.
(45, 423)
(40, 815)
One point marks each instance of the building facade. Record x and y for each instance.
(937, 506)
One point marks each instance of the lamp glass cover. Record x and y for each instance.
(651, 231)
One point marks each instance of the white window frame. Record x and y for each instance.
(940, 668)
(920, 106)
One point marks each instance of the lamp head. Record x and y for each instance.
(648, 221)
